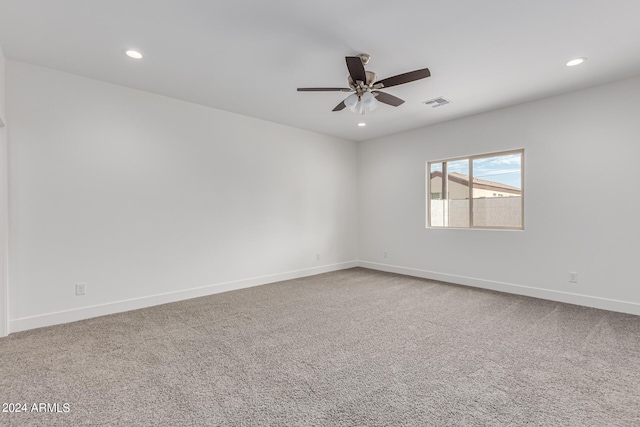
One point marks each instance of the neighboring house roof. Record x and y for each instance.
(479, 183)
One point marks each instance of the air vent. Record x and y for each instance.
(437, 102)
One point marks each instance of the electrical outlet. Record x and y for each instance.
(573, 277)
(81, 288)
(385, 254)
(318, 256)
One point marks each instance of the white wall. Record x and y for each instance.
(580, 148)
(4, 199)
(140, 195)
(149, 199)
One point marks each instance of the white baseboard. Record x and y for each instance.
(49, 319)
(566, 297)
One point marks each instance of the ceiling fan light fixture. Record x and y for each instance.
(352, 101)
(370, 102)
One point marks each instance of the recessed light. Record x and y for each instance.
(362, 124)
(575, 62)
(133, 54)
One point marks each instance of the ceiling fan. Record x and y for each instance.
(366, 94)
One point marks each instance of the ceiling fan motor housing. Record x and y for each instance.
(364, 86)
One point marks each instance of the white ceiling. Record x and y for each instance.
(250, 56)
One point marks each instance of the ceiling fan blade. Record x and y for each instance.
(402, 78)
(324, 89)
(387, 99)
(339, 107)
(356, 69)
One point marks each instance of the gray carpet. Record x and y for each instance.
(350, 348)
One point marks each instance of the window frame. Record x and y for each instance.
(471, 158)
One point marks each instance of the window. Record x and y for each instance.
(483, 191)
